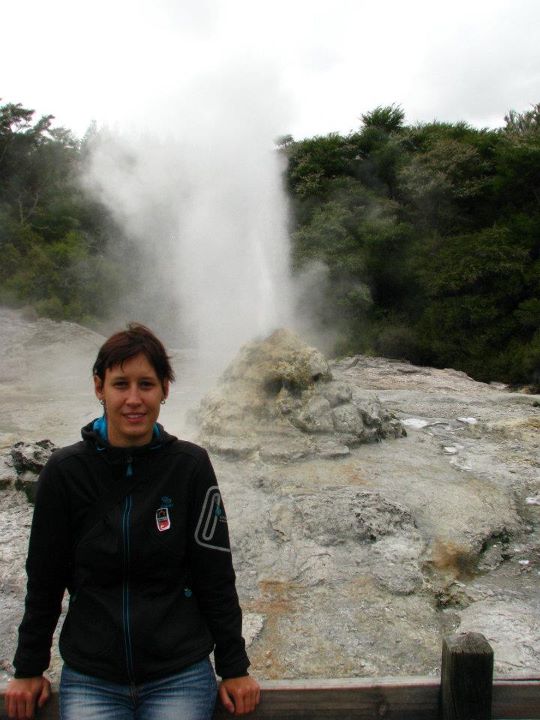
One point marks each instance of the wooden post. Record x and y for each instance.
(466, 677)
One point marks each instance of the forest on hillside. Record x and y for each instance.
(429, 235)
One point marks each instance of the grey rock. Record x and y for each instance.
(281, 360)
(505, 624)
(315, 417)
(284, 450)
(288, 403)
(28, 484)
(330, 449)
(492, 557)
(28, 459)
(235, 448)
(396, 563)
(31, 456)
(8, 474)
(283, 519)
(342, 514)
(252, 625)
(337, 393)
(347, 419)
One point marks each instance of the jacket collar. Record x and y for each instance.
(95, 434)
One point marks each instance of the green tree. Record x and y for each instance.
(388, 118)
(51, 236)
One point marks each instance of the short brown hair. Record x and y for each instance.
(126, 344)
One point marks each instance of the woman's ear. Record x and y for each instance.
(98, 387)
(165, 385)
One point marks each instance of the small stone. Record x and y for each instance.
(252, 625)
(415, 423)
(331, 450)
(232, 447)
(461, 464)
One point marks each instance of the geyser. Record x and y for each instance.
(206, 211)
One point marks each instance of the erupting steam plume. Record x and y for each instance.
(202, 199)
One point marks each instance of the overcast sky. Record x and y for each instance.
(307, 66)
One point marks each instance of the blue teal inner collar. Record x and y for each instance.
(100, 428)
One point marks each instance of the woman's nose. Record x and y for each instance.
(133, 397)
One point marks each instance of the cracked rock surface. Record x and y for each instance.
(353, 558)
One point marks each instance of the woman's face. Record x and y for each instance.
(132, 393)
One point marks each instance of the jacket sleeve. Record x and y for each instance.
(47, 569)
(213, 574)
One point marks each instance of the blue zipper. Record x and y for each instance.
(125, 590)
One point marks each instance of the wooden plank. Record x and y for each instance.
(466, 677)
(331, 700)
(392, 702)
(407, 698)
(516, 699)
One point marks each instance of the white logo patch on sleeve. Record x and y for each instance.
(212, 514)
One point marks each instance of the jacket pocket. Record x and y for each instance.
(174, 628)
(88, 630)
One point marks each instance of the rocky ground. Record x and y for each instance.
(356, 545)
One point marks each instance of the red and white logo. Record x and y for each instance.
(163, 521)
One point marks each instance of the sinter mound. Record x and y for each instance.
(278, 398)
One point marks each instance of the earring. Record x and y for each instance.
(102, 402)
(163, 401)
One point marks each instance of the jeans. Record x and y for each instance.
(189, 695)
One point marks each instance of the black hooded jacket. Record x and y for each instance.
(139, 538)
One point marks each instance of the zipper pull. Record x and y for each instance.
(129, 470)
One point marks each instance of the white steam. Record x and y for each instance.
(197, 186)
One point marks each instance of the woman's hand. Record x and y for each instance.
(22, 694)
(239, 695)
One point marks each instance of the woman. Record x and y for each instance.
(130, 521)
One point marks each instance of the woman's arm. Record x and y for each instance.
(47, 567)
(215, 589)
(213, 573)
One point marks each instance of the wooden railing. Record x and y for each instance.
(466, 690)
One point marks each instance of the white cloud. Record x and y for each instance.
(330, 61)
